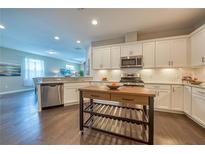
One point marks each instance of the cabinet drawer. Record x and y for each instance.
(129, 99)
(103, 96)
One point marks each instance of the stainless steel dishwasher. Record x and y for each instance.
(51, 95)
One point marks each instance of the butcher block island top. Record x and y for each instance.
(126, 94)
(109, 111)
(122, 90)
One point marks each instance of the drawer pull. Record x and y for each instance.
(95, 96)
(126, 99)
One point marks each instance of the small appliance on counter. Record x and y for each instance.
(131, 79)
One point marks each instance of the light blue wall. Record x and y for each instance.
(17, 57)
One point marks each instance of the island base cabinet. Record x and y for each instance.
(71, 94)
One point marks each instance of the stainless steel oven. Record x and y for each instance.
(132, 62)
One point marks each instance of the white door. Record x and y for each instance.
(105, 58)
(163, 50)
(70, 95)
(131, 50)
(149, 55)
(115, 57)
(163, 100)
(187, 100)
(177, 98)
(198, 48)
(179, 52)
(97, 58)
(198, 108)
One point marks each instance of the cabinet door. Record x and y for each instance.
(70, 95)
(187, 100)
(105, 58)
(163, 53)
(198, 108)
(131, 50)
(115, 57)
(177, 98)
(179, 52)
(97, 58)
(149, 54)
(163, 100)
(198, 48)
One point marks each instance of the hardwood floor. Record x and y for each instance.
(21, 123)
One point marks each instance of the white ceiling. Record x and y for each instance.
(32, 30)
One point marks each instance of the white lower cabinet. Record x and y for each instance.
(198, 105)
(163, 99)
(187, 100)
(177, 98)
(71, 93)
(163, 95)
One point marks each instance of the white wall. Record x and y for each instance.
(17, 57)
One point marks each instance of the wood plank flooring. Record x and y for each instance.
(21, 123)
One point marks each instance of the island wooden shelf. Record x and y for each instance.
(132, 117)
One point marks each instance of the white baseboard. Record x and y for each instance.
(16, 91)
(169, 111)
(195, 120)
(70, 103)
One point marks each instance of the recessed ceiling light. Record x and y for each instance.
(2, 26)
(94, 22)
(78, 41)
(52, 52)
(57, 38)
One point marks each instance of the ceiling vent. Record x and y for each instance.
(131, 37)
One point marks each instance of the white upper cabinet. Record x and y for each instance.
(115, 57)
(131, 50)
(149, 55)
(97, 59)
(171, 53)
(177, 98)
(163, 51)
(198, 48)
(101, 58)
(178, 53)
(106, 58)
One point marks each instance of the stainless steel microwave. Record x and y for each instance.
(132, 62)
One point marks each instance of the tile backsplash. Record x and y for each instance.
(152, 75)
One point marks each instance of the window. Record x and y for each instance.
(33, 68)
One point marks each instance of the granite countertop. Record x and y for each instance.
(161, 83)
(51, 82)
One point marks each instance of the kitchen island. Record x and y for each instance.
(132, 117)
(58, 91)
